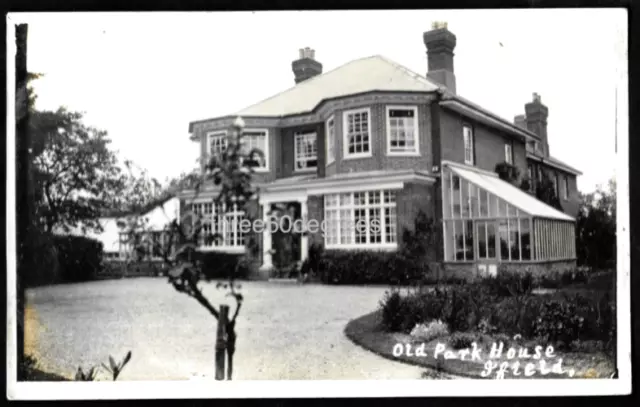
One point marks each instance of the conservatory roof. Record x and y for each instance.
(509, 193)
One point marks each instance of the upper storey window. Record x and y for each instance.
(253, 139)
(357, 133)
(508, 153)
(331, 140)
(217, 142)
(306, 150)
(258, 139)
(467, 134)
(402, 130)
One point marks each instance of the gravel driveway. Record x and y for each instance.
(285, 331)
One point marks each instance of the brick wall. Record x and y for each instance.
(285, 153)
(379, 159)
(489, 143)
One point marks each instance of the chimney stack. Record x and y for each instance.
(536, 119)
(306, 67)
(440, 43)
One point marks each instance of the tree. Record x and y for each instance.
(232, 171)
(546, 192)
(77, 175)
(596, 228)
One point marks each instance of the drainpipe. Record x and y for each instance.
(436, 170)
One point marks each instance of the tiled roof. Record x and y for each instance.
(375, 73)
(554, 162)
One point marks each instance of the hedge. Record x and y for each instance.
(64, 259)
(219, 265)
(79, 258)
(363, 267)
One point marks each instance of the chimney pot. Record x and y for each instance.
(306, 66)
(436, 25)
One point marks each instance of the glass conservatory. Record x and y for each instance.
(488, 219)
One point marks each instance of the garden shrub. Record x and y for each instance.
(311, 265)
(394, 309)
(219, 265)
(434, 329)
(461, 307)
(558, 322)
(565, 278)
(367, 267)
(463, 340)
(509, 283)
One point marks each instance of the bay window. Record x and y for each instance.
(402, 130)
(357, 133)
(360, 220)
(331, 140)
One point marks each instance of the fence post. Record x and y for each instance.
(221, 341)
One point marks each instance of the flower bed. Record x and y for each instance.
(578, 322)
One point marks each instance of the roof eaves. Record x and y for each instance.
(446, 95)
(554, 162)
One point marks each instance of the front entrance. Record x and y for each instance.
(286, 240)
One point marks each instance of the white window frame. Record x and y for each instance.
(345, 134)
(215, 134)
(508, 153)
(222, 246)
(296, 159)
(468, 140)
(565, 187)
(266, 147)
(331, 140)
(416, 131)
(352, 207)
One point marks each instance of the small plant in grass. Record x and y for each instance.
(116, 368)
(87, 376)
(432, 330)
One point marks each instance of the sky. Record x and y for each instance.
(143, 77)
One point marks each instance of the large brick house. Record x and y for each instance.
(372, 140)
